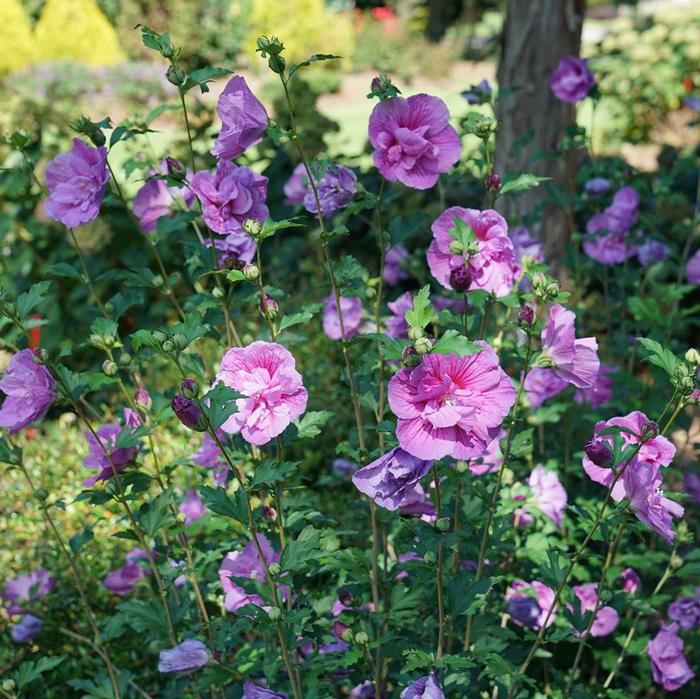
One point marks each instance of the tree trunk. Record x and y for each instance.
(537, 34)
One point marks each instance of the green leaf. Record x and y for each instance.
(303, 316)
(219, 404)
(8, 455)
(659, 355)
(306, 547)
(272, 471)
(156, 514)
(104, 326)
(29, 300)
(218, 501)
(470, 598)
(294, 68)
(310, 425)
(202, 77)
(521, 183)
(63, 269)
(77, 541)
(422, 312)
(29, 671)
(146, 618)
(454, 343)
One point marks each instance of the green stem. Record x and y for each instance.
(497, 487)
(86, 274)
(187, 127)
(438, 574)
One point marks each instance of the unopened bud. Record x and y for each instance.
(159, 336)
(109, 367)
(361, 638)
(415, 334)
(157, 281)
(168, 346)
(553, 290)
(125, 358)
(42, 494)
(461, 467)
(189, 413)
(143, 398)
(180, 341)
(268, 306)
(493, 182)
(526, 315)
(252, 227)
(692, 356)
(409, 357)
(189, 388)
(442, 524)
(175, 75)
(423, 345)
(456, 247)
(650, 430)
(39, 355)
(598, 452)
(251, 272)
(275, 569)
(275, 613)
(340, 629)
(430, 558)
(218, 293)
(175, 168)
(461, 278)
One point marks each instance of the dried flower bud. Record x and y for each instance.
(189, 413)
(598, 452)
(461, 278)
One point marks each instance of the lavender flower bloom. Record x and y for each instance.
(597, 186)
(601, 391)
(256, 691)
(692, 270)
(344, 467)
(415, 503)
(651, 251)
(607, 231)
(29, 391)
(606, 618)
(186, 657)
(351, 308)
(524, 613)
(234, 249)
(155, 200)
(413, 140)
(192, 507)
(541, 385)
(630, 581)
(123, 580)
(691, 485)
(243, 120)
(209, 455)
(390, 477)
(76, 182)
(363, 691)
(692, 102)
(296, 186)
(27, 588)
(393, 265)
(102, 455)
(572, 80)
(335, 191)
(669, 667)
(478, 94)
(685, 611)
(396, 325)
(549, 494)
(490, 461)
(229, 196)
(426, 687)
(26, 629)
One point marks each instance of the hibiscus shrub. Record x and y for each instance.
(360, 443)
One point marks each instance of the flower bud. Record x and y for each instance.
(553, 290)
(443, 524)
(650, 430)
(692, 356)
(9, 309)
(461, 278)
(539, 282)
(461, 467)
(457, 247)
(251, 272)
(269, 45)
(176, 76)
(345, 598)
(415, 334)
(493, 182)
(268, 306)
(340, 629)
(157, 281)
(423, 345)
(39, 355)
(125, 358)
(361, 638)
(598, 452)
(189, 413)
(142, 398)
(430, 558)
(175, 168)
(180, 341)
(159, 336)
(409, 357)
(42, 494)
(275, 569)
(526, 315)
(218, 293)
(109, 367)
(277, 64)
(252, 227)
(275, 613)
(8, 685)
(168, 346)
(189, 388)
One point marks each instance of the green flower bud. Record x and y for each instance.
(168, 346)
(361, 638)
(125, 358)
(176, 76)
(218, 293)
(157, 281)
(456, 248)
(251, 272)
(430, 558)
(423, 345)
(415, 334)
(275, 613)
(461, 467)
(275, 569)
(109, 367)
(692, 356)
(443, 524)
(42, 494)
(159, 336)
(252, 227)
(180, 341)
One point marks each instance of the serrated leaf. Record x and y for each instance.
(219, 404)
(219, 502)
(306, 547)
(422, 311)
(272, 471)
(29, 671)
(453, 343)
(659, 356)
(63, 269)
(311, 423)
(303, 316)
(293, 69)
(521, 183)
(29, 300)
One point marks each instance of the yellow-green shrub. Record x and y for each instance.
(76, 30)
(305, 26)
(16, 48)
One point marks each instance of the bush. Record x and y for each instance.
(17, 48)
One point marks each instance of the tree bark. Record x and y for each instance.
(537, 34)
